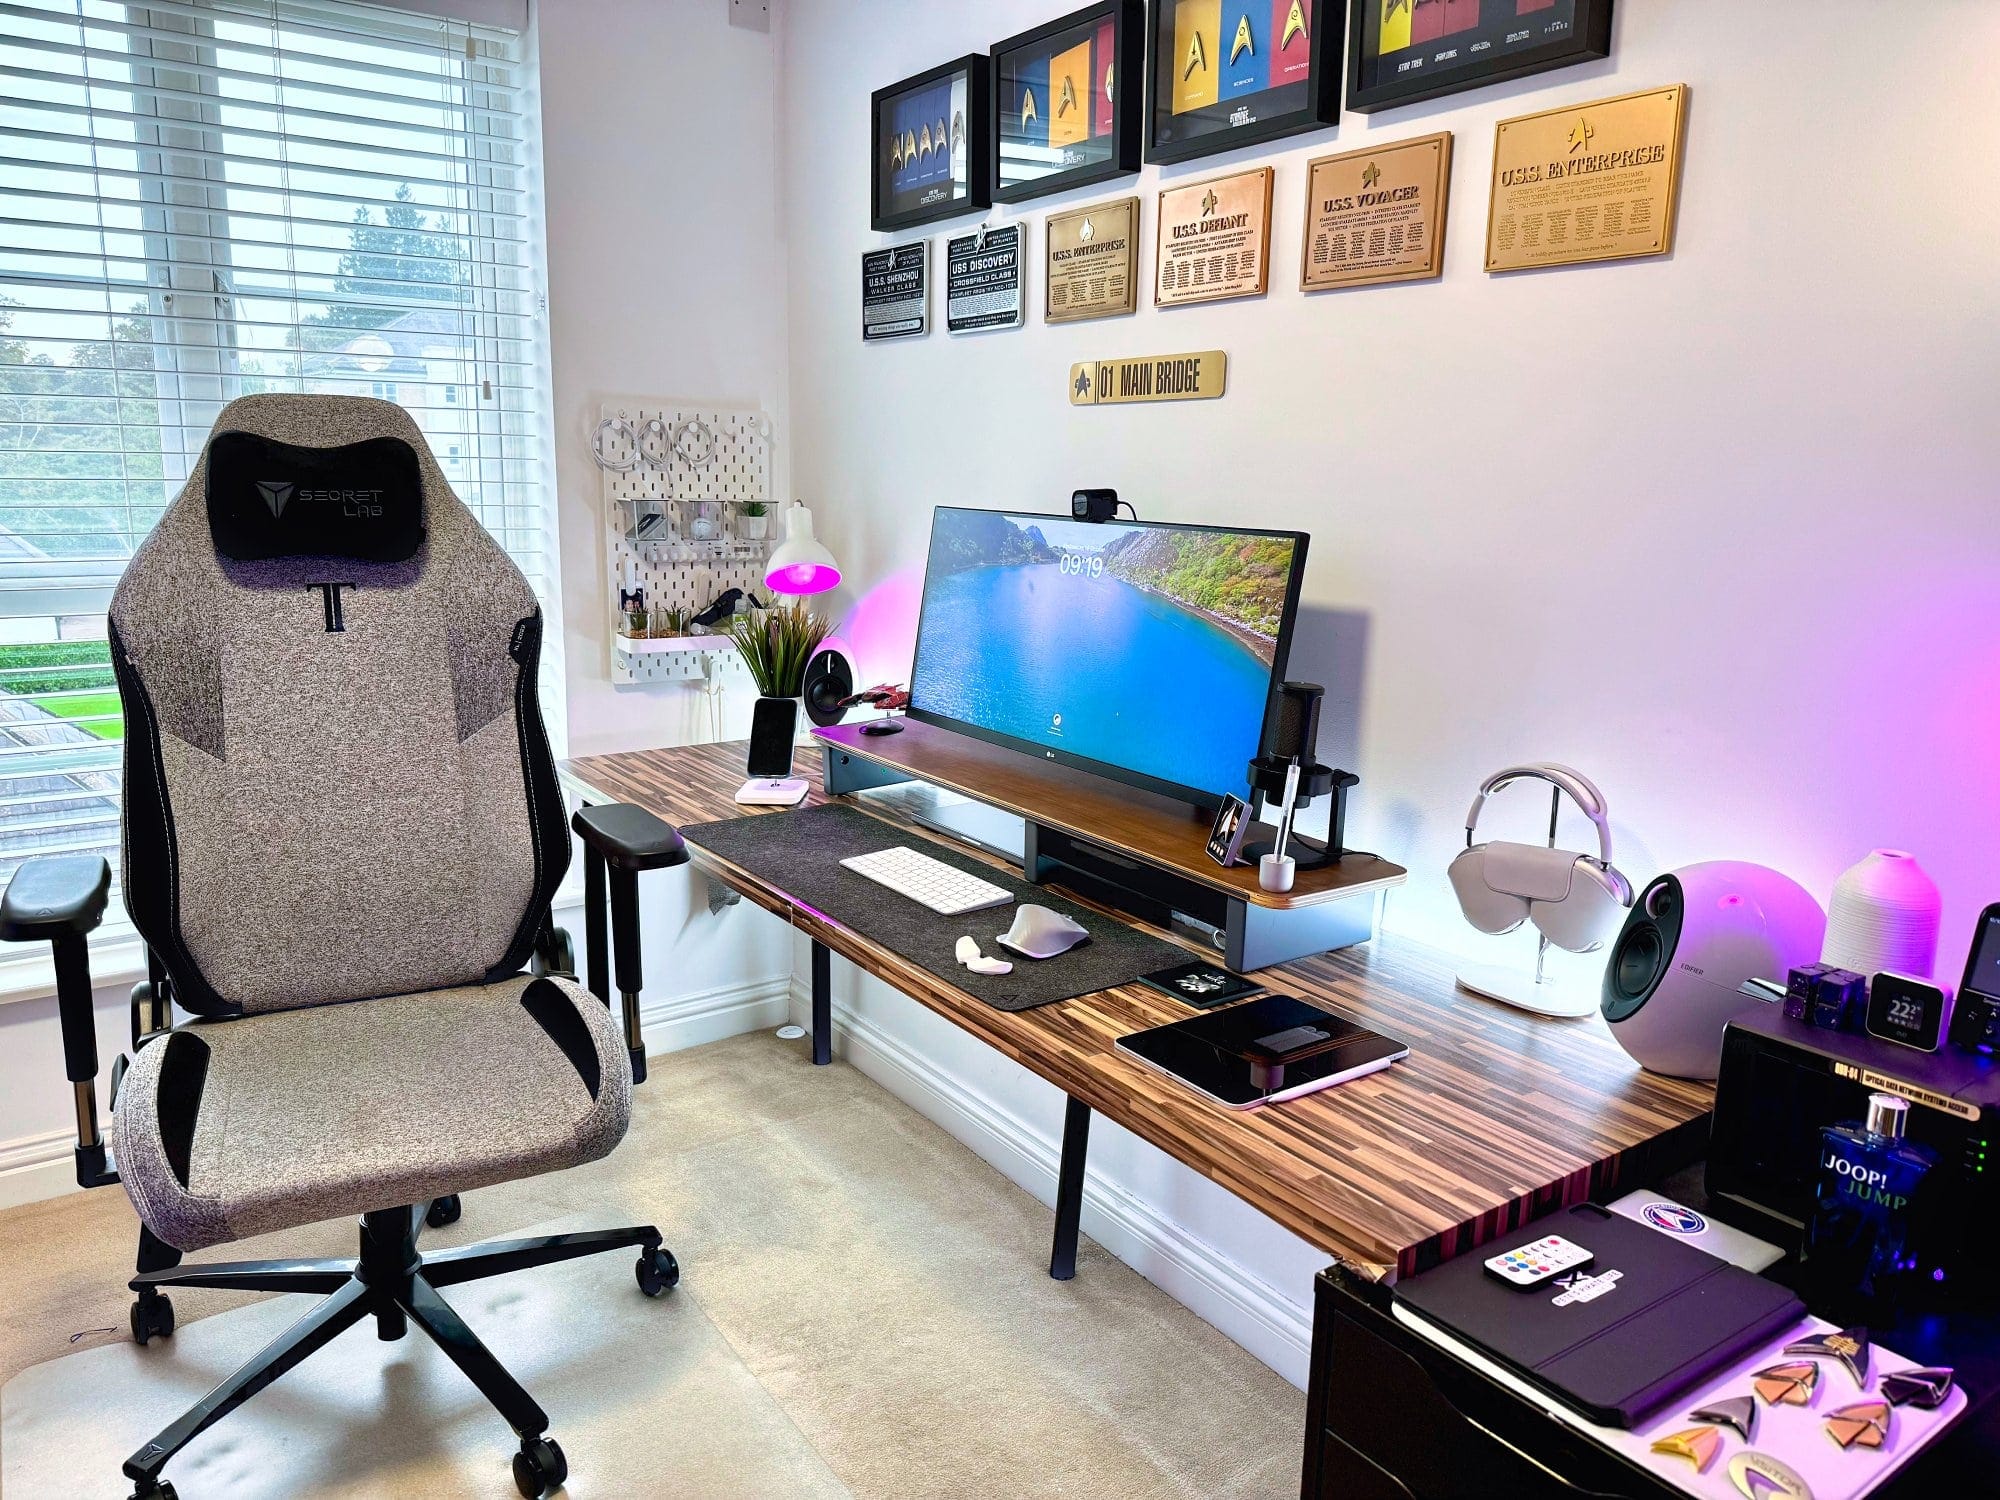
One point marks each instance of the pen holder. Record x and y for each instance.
(1275, 872)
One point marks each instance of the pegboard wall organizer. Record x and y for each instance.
(676, 478)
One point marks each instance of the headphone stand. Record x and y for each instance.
(1535, 993)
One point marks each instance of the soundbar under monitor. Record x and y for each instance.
(1141, 651)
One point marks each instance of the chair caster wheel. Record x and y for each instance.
(658, 1271)
(443, 1211)
(152, 1317)
(539, 1467)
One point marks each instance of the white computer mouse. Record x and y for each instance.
(1040, 933)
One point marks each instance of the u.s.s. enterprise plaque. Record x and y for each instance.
(1093, 262)
(1587, 182)
(1376, 216)
(1214, 240)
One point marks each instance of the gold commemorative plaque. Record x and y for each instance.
(1201, 376)
(1093, 262)
(1376, 216)
(1213, 240)
(1587, 182)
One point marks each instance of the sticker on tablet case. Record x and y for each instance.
(1674, 1218)
(1584, 1286)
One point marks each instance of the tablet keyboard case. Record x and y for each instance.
(1675, 1315)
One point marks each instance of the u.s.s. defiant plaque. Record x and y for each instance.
(1587, 182)
(1093, 262)
(1214, 240)
(1376, 216)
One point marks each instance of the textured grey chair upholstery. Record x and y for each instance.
(342, 833)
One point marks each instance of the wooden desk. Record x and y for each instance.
(1494, 1118)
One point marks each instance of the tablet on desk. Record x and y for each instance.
(1263, 1051)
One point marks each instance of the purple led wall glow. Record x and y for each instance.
(879, 634)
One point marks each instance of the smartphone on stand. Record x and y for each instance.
(773, 723)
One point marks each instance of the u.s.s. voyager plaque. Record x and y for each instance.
(1586, 182)
(1214, 240)
(1093, 262)
(1376, 216)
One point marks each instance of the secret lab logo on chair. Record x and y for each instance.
(278, 493)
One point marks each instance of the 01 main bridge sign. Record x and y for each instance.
(1200, 376)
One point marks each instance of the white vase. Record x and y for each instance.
(1883, 917)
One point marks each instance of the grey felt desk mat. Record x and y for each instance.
(800, 852)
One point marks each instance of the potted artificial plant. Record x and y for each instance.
(776, 644)
(754, 521)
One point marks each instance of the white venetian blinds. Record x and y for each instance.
(201, 199)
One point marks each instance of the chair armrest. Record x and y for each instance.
(629, 837)
(55, 895)
(59, 899)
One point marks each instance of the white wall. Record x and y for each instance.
(1718, 528)
(665, 280)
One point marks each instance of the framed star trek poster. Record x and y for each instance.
(1401, 51)
(932, 157)
(1064, 114)
(1228, 73)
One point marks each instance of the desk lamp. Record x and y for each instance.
(801, 565)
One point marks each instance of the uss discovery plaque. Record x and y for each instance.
(1376, 216)
(1093, 262)
(982, 279)
(1214, 240)
(1587, 182)
(895, 292)
(1201, 376)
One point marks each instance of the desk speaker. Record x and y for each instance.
(829, 681)
(1692, 938)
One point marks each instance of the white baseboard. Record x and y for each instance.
(1274, 1327)
(34, 1167)
(675, 1022)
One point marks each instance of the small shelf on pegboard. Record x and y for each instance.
(647, 645)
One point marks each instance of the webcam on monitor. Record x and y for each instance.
(1093, 505)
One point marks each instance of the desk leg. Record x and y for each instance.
(822, 1005)
(1069, 1189)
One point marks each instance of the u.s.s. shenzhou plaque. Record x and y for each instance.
(1376, 216)
(895, 292)
(1587, 182)
(1093, 262)
(1214, 240)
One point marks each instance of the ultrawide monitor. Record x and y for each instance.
(1140, 651)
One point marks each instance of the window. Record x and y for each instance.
(201, 199)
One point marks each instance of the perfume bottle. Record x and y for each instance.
(1868, 1173)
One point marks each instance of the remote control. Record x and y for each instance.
(1535, 1262)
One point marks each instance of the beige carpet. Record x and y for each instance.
(864, 1309)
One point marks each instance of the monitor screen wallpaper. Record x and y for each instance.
(1150, 650)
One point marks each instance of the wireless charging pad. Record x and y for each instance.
(772, 791)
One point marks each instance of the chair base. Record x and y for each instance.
(396, 1285)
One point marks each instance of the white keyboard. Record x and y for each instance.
(944, 888)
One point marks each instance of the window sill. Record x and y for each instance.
(117, 959)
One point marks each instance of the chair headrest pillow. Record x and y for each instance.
(270, 499)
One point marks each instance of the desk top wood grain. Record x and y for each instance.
(1143, 824)
(1496, 1116)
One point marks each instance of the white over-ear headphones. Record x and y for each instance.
(1576, 901)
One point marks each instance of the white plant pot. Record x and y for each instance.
(753, 528)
